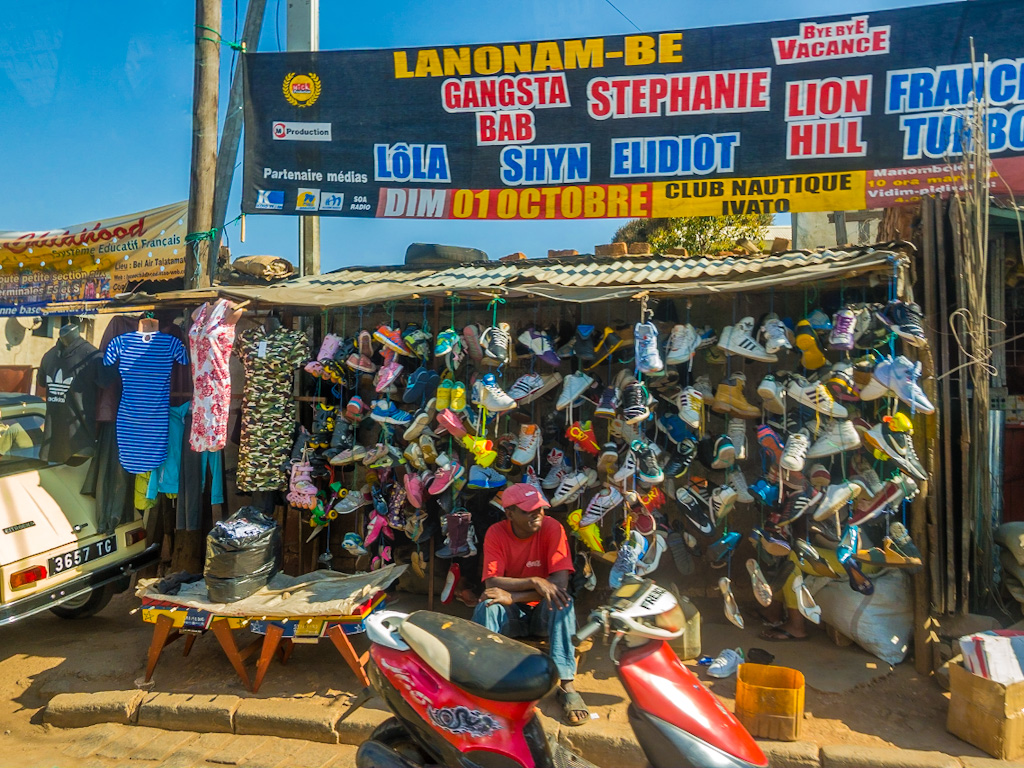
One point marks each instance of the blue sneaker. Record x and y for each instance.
(386, 412)
(767, 494)
(820, 321)
(630, 551)
(673, 426)
(724, 546)
(485, 477)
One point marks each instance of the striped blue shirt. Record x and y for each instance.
(144, 361)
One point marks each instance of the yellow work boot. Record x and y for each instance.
(730, 398)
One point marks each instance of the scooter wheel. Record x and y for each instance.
(396, 736)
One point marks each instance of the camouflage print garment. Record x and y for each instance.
(268, 414)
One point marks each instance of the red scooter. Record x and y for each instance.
(464, 697)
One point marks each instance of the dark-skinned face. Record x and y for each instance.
(525, 524)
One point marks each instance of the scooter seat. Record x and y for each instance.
(478, 661)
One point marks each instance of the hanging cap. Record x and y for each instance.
(525, 496)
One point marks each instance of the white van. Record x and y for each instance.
(52, 554)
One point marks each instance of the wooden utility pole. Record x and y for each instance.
(204, 142)
(233, 120)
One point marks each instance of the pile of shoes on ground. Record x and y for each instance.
(449, 420)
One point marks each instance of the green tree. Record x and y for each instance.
(697, 234)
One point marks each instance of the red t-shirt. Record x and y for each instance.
(544, 553)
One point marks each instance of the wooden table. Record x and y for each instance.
(172, 621)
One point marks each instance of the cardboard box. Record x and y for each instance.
(986, 714)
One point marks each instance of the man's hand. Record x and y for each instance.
(555, 596)
(495, 595)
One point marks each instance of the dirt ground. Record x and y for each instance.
(864, 702)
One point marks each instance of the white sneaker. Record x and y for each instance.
(572, 485)
(526, 445)
(525, 386)
(628, 468)
(691, 407)
(574, 385)
(723, 499)
(703, 385)
(734, 477)
(494, 398)
(740, 341)
(840, 435)
(771, 394)
(794, 455)
(815, 396)
(775, 334)
(899, 375)
(682, 343)
(557, 472)
(726, 663)
(843, 326)
(645, 341)
(737, 432)
(835, 497)
(603, 502)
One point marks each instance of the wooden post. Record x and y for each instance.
(204, 141)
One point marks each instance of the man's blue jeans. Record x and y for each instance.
(521, 620)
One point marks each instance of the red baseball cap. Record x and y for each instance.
(525, 496)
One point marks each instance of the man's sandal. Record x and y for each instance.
(573, 703)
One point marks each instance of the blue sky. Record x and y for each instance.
(96, 104)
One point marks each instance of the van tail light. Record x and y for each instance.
(29, 576)
(134, 536)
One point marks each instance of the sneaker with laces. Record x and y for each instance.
(819, 321)
(447, 473)
(775, 334)
(771, 444)
(527, 445)
(504, 447)
(485, 477)
(723, 501)
(493, 397)
(838, 436)
(799, 504)
(628, 468)
(525, 385)
(695, 510)
(417, 341)
(680, 459)
(691, 407)
(539, 345)
(843, 325)
(630, 552)
(609, 403)
(771, 393)
(392, 339)
(388, 374)
(682, 344)
(645, 340)
(672, 425)
(635, 399)
(740, 341)
(386, 412)
(603, 502)
(735, 480)
(836, 497)
(815, 396)
(530, 476)
(898, 375)
(583, 343)
(573, 387)
(571, 486)
(703, 385)
(842, 383)
(648, 468)
(795, 454)
(765, 492)
(558, 468)
(496, 342)
(737, 433)
(897, 446)
(893, 492)
(905, 321)
(726, 663)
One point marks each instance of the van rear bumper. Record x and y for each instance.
(69, 590)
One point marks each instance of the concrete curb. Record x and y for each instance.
(316, 719)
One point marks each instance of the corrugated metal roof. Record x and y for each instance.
(579, 278)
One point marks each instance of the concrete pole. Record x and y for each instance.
(303, 34)
(204, 141)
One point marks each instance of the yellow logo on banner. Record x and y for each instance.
(301, 90)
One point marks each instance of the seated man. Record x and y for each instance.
(526, 567)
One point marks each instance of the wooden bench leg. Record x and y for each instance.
(162, 637)
(287, 646)
(222, 630)
(270, 642)
(190, 640)
(344, 646)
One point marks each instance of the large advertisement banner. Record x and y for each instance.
(837, 113)
(90, 262)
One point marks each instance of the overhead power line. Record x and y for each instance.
(623, 15)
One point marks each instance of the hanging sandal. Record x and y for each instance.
(762, 590)
(732, 610)
(809, 609)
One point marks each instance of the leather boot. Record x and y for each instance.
(455, 544)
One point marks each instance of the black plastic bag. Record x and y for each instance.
(243, 553)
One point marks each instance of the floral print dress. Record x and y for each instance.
(210, 341)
